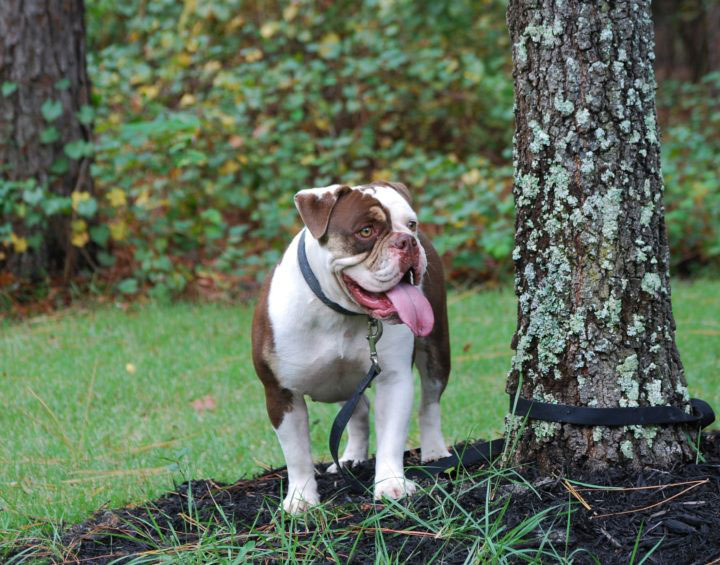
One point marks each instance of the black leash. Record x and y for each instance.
(484, 452)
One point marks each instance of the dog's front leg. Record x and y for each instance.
(393, 404)
(294, 437)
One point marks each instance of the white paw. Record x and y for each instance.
(394, 487)
(298, 501)
(433, 453)
(344, 463)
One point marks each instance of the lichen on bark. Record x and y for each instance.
(595, 324)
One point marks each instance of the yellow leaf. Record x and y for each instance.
(80, 239)
(117, 197)
(226, 120)
(212, 66)
(328, 44)
(253, 54)
(150, 91)
(184, 59)
(187, 100)
(269, 29)
(382, 174)
(78, 197)
(322, 123)
(78, 226)
(229, 167)
(118, 230)
(143, 199)
(290, 12)
(471, 177)
(235, 23)
(188, 9)
(19, 243)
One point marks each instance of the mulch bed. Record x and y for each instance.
(684, 514)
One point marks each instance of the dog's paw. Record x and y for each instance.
(298, 501)
(433, 453)
(394, 487)
(345, 463)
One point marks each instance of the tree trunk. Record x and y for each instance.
(45, 85)
(688, 38)
(595, 324)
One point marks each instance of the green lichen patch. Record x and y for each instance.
(540, 138)
(637, 326)
(651, 283)
(626, 448)
(628, 382)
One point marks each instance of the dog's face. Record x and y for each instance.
(370, 236)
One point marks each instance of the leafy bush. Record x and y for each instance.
(691, 169)
(210, 115)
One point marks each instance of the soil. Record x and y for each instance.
(684, 518)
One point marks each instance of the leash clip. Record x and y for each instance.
(375, 331)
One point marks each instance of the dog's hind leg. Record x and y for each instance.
(432, 358)
(433, 378)
(358, 429)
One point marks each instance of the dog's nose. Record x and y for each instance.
(404, 242)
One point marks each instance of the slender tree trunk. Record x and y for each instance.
(42, 66)
(595, 324)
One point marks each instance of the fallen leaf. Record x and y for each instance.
(204, 404)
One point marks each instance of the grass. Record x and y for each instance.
(104, 407)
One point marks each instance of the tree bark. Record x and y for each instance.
(42, 53)
(595, 324)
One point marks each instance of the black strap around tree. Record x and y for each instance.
(702, 414)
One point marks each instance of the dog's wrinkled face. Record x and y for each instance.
(370, 233)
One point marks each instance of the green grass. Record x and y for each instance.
(96, 406)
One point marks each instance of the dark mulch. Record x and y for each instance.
(685, 517)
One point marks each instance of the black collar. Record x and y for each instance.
(313, 283)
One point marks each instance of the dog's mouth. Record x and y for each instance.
(404, 301)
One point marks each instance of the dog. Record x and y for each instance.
(366, 251)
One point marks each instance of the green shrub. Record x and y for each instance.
(210, 115)
(691, 169)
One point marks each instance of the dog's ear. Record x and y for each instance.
(401, 189)
(316, 205)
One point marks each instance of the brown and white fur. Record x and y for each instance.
(303, 348)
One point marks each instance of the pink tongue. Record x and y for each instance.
(412, 307)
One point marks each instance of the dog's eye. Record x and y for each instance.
(412, 224)
(366, 232)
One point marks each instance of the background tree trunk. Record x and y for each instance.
(595, 325)
(42, 53)
(688, 38)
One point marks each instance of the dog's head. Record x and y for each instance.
(369, 234)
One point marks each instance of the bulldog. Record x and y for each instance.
(368, 255)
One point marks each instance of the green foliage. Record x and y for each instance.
(691, 169)
(210, 115)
